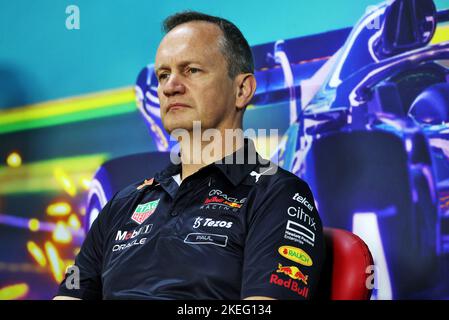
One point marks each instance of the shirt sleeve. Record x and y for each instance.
(83, 280)
(284, 249)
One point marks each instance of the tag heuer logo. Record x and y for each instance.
(144, 211)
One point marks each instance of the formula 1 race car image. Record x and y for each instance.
(371, 143)
(364, 117)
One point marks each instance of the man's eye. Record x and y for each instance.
(162, 76)
(194, 70)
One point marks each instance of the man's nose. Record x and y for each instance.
(173, 85)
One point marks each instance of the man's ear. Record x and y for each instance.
(246, 87)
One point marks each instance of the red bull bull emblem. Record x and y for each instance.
(293, 272)
(233, 204)
(144, 211)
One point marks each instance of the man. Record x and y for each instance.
(224, 227)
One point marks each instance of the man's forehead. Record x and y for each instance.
(189, 40)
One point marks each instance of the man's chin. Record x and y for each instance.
(173, 127)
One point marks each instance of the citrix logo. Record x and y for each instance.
(302, 216)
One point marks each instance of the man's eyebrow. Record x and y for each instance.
(159, 68)
(181, 64)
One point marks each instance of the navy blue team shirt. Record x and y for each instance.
(228, 231)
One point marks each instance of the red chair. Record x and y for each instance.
(345, 271)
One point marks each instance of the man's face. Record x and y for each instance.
(193, 73)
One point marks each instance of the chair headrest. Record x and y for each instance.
(344, 275)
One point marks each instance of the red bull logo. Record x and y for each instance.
(293, 272)
(289, 284)
(213, 200)
(218, 199)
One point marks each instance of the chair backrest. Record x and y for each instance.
(346, 269)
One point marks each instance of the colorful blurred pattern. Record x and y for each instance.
(50, 153)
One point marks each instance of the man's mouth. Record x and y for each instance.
(177, 106)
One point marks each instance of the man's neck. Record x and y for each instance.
(198, 154)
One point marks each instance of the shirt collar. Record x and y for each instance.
(235, 166)
(238, 165)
